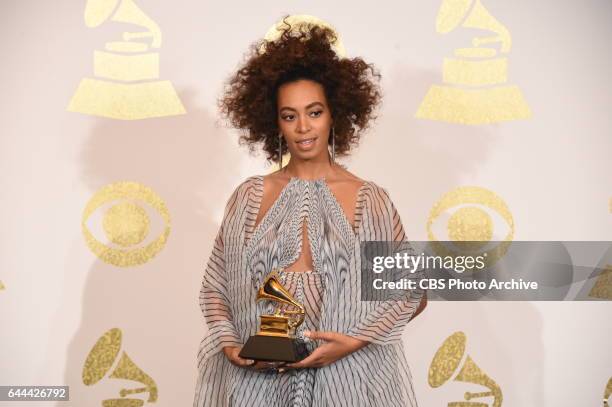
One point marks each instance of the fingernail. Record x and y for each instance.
(250, 361)
(281, 370)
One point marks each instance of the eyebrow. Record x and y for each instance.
(307, 107)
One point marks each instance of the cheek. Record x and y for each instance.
(284, 126)
(326, 123)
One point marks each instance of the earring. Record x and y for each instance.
(280, 150)
(333, 145)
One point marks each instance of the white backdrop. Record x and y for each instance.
(552, 170)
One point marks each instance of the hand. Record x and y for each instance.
(336, 347)
(231, 352)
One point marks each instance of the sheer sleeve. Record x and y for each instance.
(383, 321)
(214, 299)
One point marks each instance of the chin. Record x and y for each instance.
(308, 155)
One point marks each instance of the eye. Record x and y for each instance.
(287, 117)
(118, 210)
(316, 113)
(479, 220)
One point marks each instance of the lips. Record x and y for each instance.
(306, 142)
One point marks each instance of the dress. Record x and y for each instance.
(375, 375)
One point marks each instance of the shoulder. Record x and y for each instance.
(374, 199)
(380, 214)
(375, 193)
(245, 191)
(249, 184)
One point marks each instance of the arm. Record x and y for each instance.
(382, 322)
(214, 300)
(215, 304)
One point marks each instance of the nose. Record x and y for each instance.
(303, 126)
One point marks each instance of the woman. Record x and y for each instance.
(308, 219)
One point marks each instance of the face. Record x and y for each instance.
(304, 119)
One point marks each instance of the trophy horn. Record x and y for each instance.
(273, 290)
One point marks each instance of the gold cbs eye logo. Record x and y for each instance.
(126, 224)
(471, 226)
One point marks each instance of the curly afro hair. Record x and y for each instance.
(351, 87)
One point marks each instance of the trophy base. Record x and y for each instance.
(274, 349)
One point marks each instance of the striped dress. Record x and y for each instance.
(243, 254)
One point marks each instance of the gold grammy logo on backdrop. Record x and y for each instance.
(126, 84)
(126, 223)
(451, 361)
(475, 89)
(603, 285)
(471, 227)
(2, 287)
(607, 393)
(103, 361)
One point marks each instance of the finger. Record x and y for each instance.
(234, 357)
(238, 361)
(247, 362)
(306, 362)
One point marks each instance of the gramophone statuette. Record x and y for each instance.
(276, 339)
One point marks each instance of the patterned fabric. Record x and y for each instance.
(375, 375)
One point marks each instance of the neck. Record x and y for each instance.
(309, 169)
